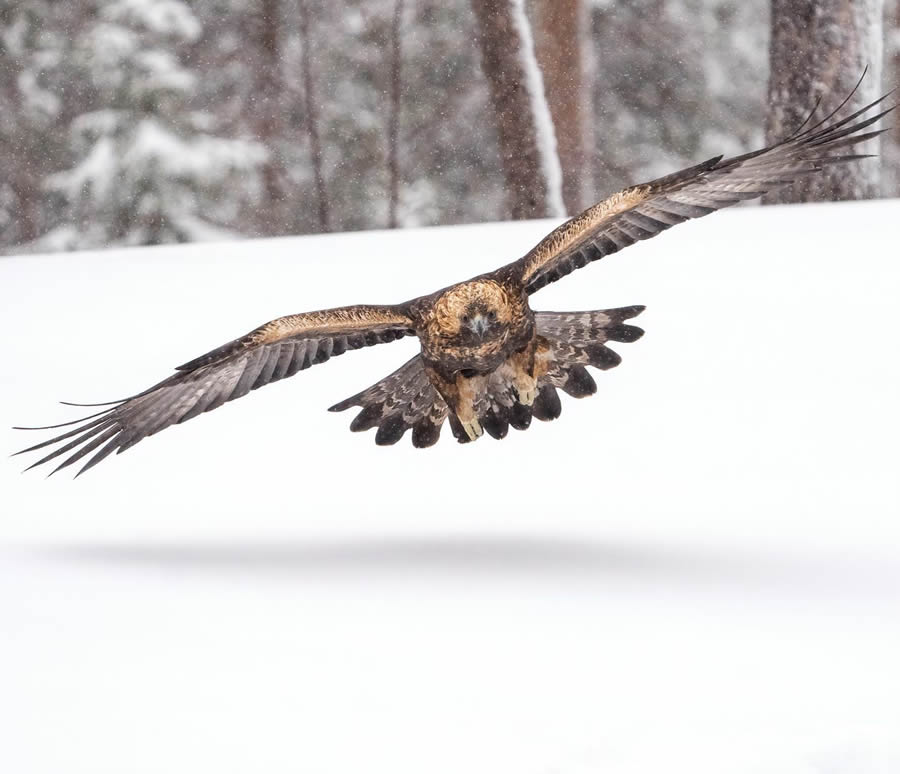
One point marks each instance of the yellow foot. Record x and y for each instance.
(473, 428)
(527, 393)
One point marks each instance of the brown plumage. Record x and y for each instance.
(487, 360)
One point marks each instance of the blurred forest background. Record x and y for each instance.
(127, 122)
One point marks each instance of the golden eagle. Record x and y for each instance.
(487, 360)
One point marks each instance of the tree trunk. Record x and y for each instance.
(517, 96)
(891, 141)
(312, 119)
(394, 117)
(23, 154)
(559, 37)
(819, 49)
(267, 109)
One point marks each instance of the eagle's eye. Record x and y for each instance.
(492, 315)
(465, 319)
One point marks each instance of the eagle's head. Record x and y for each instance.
(474, 312)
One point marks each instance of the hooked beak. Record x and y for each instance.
(479, 325)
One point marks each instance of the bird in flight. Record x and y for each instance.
(488, 361)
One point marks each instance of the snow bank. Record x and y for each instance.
(697, 569)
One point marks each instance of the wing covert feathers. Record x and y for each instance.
(643, 211)
(351, 326)
(272, 352)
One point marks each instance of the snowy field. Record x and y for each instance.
(696, 570)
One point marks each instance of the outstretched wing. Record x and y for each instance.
(643, 211)
(273, 351)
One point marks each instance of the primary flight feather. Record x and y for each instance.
(487, 360)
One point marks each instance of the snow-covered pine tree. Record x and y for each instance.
(151, 170)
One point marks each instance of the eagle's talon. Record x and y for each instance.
(473, 428)
(527, 395)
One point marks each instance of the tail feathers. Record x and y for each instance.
(569, 341)
(575, 340)
(401, 401)
(582, 329)
(547, 406)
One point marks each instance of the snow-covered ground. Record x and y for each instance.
(696, 570)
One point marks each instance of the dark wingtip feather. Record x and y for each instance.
(495, 425)
(113, 444)
(391, 430)
(632, 311)
(846, 119)
(367, 418)
(808, 118)
(831, 137)
(838, 129)
(520, 416)
(834, 112)
(602, 357)
(579, 383)
(345, 404)
(850, 157)
(55, 470)
(547, 406)
(64, 424)
(94, 405)
(425, 433)
(93, 426)
(93, 441)
(624, 334)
